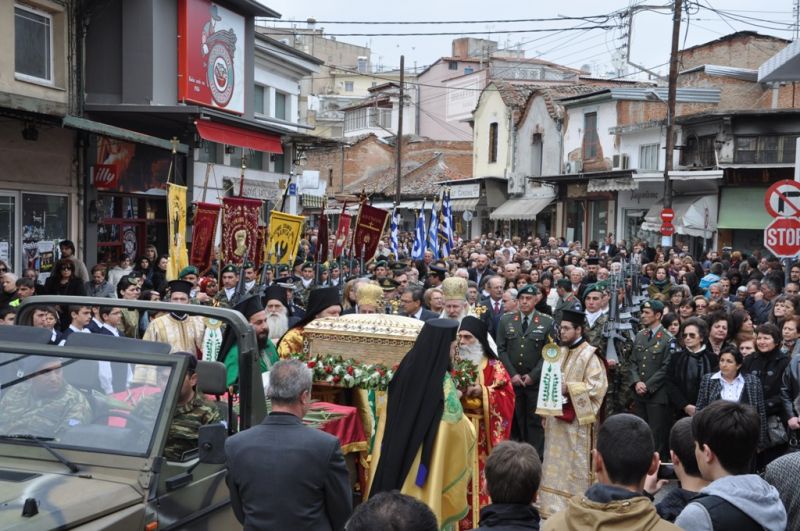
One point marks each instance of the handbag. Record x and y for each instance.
(776, 431)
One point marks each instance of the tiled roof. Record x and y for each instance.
(515, 95)
(417, 179)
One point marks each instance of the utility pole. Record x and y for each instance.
(399, 136)
(666, 241)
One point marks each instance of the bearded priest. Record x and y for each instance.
(570, 430)
(489, 405)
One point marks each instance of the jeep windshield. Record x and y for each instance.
(88, 404)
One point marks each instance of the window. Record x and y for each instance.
(330, 177)
(279, 162)
(280, 106)
(648, 156)
(211, 152)
(452, 65)
(348, 86)
(536, 155)
(765, 149)
(591, 142)
(356, 119)
(258, 99)
(33, 41)
(699, 151)
(255, 160)
(493, 142)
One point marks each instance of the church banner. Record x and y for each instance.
(369, 229)
(284, 237)
(204, 231)
(342, 235)
(176, 213)
(239, 229)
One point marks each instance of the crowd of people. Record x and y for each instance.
(594, 364)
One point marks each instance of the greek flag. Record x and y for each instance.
(393, 228)
(418, 251)
(446, 228)
(433, 233)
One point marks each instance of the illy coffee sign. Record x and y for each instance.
(105, 176)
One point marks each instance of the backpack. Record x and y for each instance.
(725, 515)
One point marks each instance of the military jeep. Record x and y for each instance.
(75, 455)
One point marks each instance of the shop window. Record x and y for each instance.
(576, 220)
(33, 44)
(211, 152)
(280, 106)
(493, 142)
(45, 222)
(8, 228)
(699, 151)
(255, 160)
(591, 142)
(648, 156)
(279, 163)
(767, 149)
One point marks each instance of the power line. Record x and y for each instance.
(441, 33)
(604, 17)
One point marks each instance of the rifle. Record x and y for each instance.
(239, 293)
(615, 328)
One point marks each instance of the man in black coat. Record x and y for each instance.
(283, 474)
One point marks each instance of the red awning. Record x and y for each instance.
(236, 136)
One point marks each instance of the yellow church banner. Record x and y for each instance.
(285, 231)
(176, 214)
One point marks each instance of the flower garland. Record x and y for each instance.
(349, 373)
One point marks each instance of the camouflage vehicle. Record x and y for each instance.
(76, 456)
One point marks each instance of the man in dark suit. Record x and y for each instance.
(283, 474)
(494, 307)
(411, 300)
(481, 269)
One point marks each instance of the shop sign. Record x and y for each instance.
(211, 45)
(105, 176)
(465, 191)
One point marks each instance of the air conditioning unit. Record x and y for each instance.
(516, 184)
(573, 166)
(620, 161)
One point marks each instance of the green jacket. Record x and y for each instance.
(267, 358)
(649, 361)
(522, 353)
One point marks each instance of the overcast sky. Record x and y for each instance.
(649, 46)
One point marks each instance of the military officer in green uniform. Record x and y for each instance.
(191, 411)
(652, 350)
(230, 279)
(306, 283)
(566, 299)
(596, 316)
(520, 338)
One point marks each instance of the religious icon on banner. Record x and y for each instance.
(284, 236)
(176, 214)
(369, 228)
(239, 229)
(204, 231)
(342, 235)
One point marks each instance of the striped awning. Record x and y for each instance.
(464, 205)
(312, 201)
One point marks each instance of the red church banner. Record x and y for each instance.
(204, 230)
(342, 235)
(369, 229)
(239, 229)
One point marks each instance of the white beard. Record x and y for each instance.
(473, 353)
(464, 313)
(278, 325)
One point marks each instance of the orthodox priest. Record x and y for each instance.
(424, 445)
(489, 405)
(253, 311)
(569, 437)
(322, 302)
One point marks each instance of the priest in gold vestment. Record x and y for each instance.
(322, 302)
(425, 444)
(569, 438)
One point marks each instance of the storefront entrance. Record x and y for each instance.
(127, 224)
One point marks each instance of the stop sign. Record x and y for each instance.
(782, 237)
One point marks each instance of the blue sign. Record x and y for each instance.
(292, 188)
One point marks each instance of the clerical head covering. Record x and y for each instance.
(249, 306)
(277, 293)
(319, 299)
(369, 295)
(575, 317)
(188, 270)
(414, 407)
(593, 260)
(183, 286)
(478, 328)
(564, 283)
(455, 288)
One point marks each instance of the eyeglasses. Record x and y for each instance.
(3, 270)
(690, 335)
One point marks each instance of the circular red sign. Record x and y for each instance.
(782, 237)
(667, 215)
(782, 199)
(667, 229)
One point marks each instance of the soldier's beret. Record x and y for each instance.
(188, 270)
(564, 283)
(230, 268)
(306, 265)
(269, 267)
(600, 287)
(397, 266)
(528, 289)
(248, 265)
(381, 263)
(283, 268)
(324, 267)
(652, 304)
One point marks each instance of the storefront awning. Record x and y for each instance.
(522, 208)
(74, 122)
(464, 205)
(312, 201)
(743, 208)
(694, 216)
(237, 136)
(613, 185)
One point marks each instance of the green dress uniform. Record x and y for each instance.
(520, 350)
(570, 302)
(652, 350)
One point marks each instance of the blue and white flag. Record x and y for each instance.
(394, 242)
(433, 233)
(418, 251)
(446, 228)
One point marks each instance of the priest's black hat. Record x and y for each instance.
(249, 306)
(183, 286)
(276, 292)
(478, 328)
(575, 317)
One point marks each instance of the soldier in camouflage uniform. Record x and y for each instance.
(304, 286)
(191, 412)
(44, 405)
